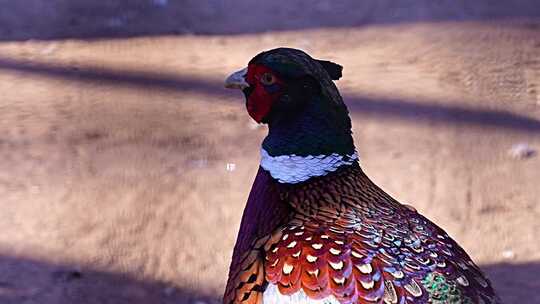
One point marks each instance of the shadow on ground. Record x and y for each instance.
(85, 19)
(424, 112)
(31, 280)
(515, 283)
(27, 279)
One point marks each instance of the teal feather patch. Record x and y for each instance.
(443, 291)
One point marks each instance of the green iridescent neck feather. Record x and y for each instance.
(321, 129)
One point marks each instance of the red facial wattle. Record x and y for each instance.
(260, 100)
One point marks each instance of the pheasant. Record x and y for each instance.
(315, 228)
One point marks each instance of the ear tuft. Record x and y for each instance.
(333, 69)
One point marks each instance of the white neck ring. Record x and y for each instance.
(292, 169)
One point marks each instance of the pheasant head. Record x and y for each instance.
(295, 95)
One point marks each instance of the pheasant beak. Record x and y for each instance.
(237, 80)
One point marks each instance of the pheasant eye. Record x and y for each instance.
(268, 79)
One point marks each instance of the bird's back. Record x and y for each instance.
(346, 241)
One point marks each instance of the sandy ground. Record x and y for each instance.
(114, 179)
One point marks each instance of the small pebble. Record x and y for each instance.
(231, 167)
(508, 254)
(522, 151)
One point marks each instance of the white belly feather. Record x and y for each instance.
(272, 296)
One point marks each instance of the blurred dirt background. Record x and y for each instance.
(125, 165)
